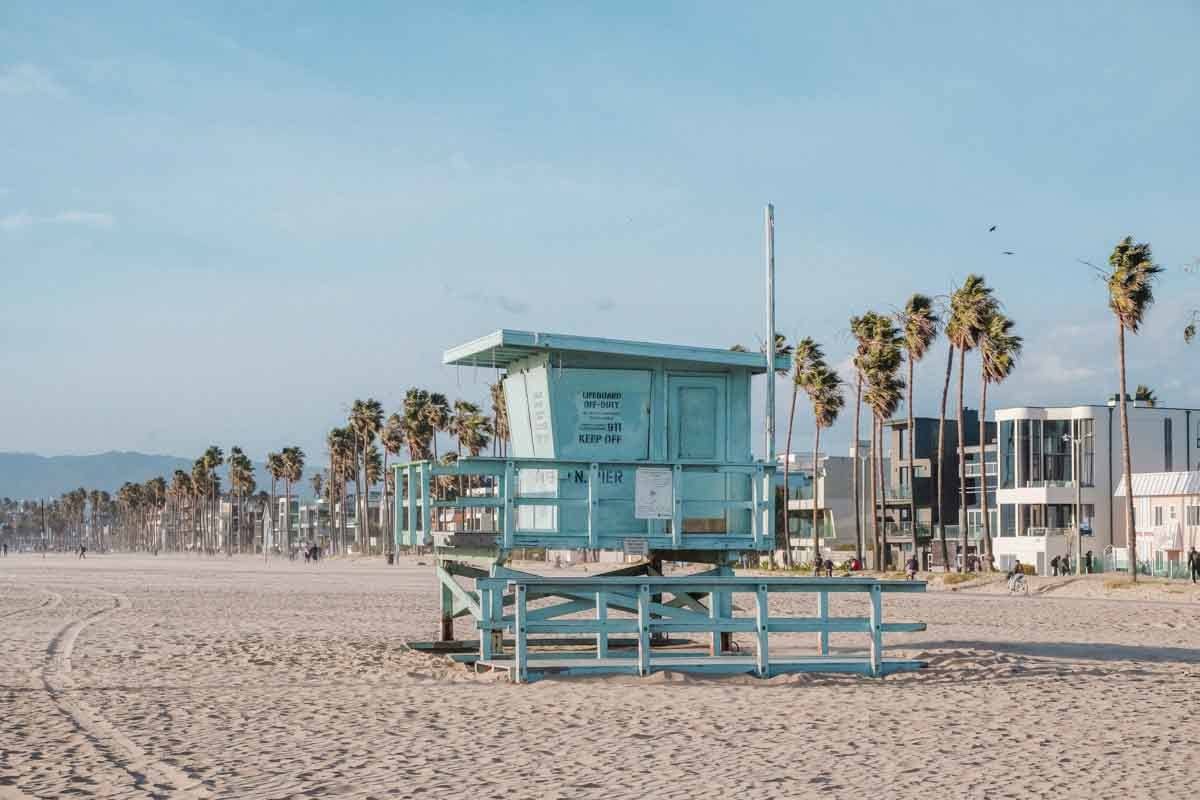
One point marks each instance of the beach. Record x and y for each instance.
(135, 676)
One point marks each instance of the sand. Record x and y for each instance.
(177, 677)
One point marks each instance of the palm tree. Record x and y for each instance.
(1130, 281)
(499, 419)
(919, 327)
(241, 483)
(201, 476)
(419, 431)
(999, 349)
(824, 390)
(1145, 394)
(181, 490)
(341, 450)
(392, 437)
(366, 420)
(970, 307)
(213, 457)
(861, 329)
(437, 415)
(805, 356)
(941, 453)
(293, 471)
(881, 364)
(275, 468)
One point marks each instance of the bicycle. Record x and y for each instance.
(1018, 585)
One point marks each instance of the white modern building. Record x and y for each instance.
(1061, 464)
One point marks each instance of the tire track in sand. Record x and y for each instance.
(53, 601)
(154, 777)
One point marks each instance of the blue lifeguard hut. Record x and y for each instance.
(627, 446)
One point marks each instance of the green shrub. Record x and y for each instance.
(952, 578)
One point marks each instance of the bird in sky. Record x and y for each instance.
(1008, 252)
(991, 229)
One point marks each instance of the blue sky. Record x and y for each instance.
(224, 222)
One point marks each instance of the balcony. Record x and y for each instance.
(971, 469)
(1035, 530)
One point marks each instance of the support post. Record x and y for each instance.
(602, 618)
(522, 655)
(485, 619)
(677, 506)
(412, 506)
(506, 530)
(876, 630)
(714, 613)
(593, 501)
(643, 608)
(447, 610)
(761, 615)
(823, 613)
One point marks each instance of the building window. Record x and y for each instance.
(1085, 429)
(1158, 515)
(1008, 519)
(1167, 445)
(1007, 456)
(1193, 515)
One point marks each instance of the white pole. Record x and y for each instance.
(769, 222)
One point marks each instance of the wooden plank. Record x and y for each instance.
(876, 631)
(593, 486)
(643, 612)
(677, 506)
(762, 615)
(467, 599)
(509, 524)
(559, 609)
(426, 512)
(602, 617)
(823, 613)
(522, 644)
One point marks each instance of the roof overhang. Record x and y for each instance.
(502, 348)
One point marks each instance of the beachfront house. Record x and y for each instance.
(910, 508)
(1166, 519)
(1059, 467)
(828, 489)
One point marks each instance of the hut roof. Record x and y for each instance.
(503, 347)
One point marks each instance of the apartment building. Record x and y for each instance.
(910, 509)
(1059, 467)
(829, 490)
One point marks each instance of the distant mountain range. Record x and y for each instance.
(29, 476)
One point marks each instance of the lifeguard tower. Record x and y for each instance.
(634, 447)
(623, 446)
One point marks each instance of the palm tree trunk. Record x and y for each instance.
(1130, 533)
(358, 517)
(983, 487)
(787, 459)
(962, 469)
(274, 513)
(874, 516)
(386, 509)
(940, 454)
(883, 478)
(816, 468)
(854, 488)
(287, 513)
(912, 478)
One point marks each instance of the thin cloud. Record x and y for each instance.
(89, 219)
(480, 298)
(26, 79)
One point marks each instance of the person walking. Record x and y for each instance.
(1194, 563)
(1054, 566)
